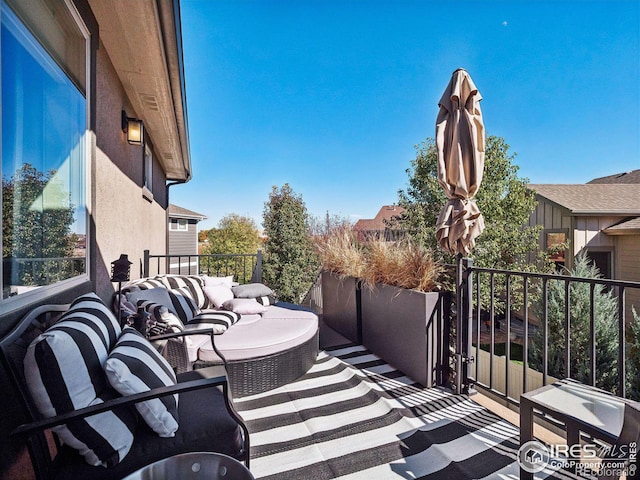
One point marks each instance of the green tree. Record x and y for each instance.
(327, 224)
(235, 235)
(290, 262)
(605, 322)
(507, 242)
(36, 224)
(633, 357)
(503, 199)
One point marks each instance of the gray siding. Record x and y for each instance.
(628, 268)
(184, 242)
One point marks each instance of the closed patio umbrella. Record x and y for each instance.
(460, 143)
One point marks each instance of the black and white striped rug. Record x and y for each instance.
(353, 416)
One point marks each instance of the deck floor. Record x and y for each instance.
(353, 416)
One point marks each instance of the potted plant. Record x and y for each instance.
(342, 263)
(403, 318)
(387, 296)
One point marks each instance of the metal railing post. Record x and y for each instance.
(464, 327)
(467, 319)
(259, 267)
(145, 264)
(459, 325)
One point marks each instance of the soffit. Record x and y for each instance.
(141, 41)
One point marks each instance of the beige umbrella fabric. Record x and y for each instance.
(460, 143)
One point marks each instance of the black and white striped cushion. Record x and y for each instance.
(183, 304)
(135, 366)
(218, 320)
(63, 371)
(143, 284)
(161, 320)
(193, 282)
(267, 300)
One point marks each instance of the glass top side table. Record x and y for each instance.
(582, 408)
(194, 466)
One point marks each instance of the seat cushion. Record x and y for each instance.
(205, 426)
(218, 320)
(276, 330)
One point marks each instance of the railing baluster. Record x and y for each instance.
(231, 264)
(492, 326)
(622, 358)
(592, 335)
(545, 332)
(478, 327)
(525, 346)
(567, 327)
(507, 349)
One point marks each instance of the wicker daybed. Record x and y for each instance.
(263, 351)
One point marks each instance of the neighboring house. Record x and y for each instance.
(75, 193)
(183, 239)
(600, 218)
(375, 228)
(632, 177)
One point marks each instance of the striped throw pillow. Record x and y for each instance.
(135, 366)
(267, 300)
(218, 320)
(63, 372)
(162, 320)
(143, 284)
(183, 304)
(193, 282)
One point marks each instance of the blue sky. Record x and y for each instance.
(331, 96)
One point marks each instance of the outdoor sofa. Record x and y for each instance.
(266, 343)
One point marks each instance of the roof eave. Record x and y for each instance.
(621, 231)
(143, 41)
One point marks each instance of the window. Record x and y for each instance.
(179, 224)
(148, 174)
(44, 53)
(603, 260)
(557, 246)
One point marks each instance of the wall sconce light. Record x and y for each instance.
(134, 129)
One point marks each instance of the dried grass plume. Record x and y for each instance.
(404, 263)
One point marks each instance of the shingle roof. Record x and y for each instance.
(625, 177)
(593, 199)
(378, 223)
(176, 211)
(629, 227)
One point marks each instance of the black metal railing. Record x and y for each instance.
(39, 271)
(245, 267)
(503, 311)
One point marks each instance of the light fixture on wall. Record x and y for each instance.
(134, 129)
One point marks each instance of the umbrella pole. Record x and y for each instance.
(464, 326)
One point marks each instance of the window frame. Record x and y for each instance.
(22, 300)
(178, 222)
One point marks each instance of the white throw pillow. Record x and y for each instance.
(218, 294)
(244, 306)
(213, 281)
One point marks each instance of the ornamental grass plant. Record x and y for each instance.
(403, 263)
(341, 253)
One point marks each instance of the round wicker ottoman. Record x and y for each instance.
(265, 351)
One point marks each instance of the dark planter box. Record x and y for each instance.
(341, 305)
(407, 329)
